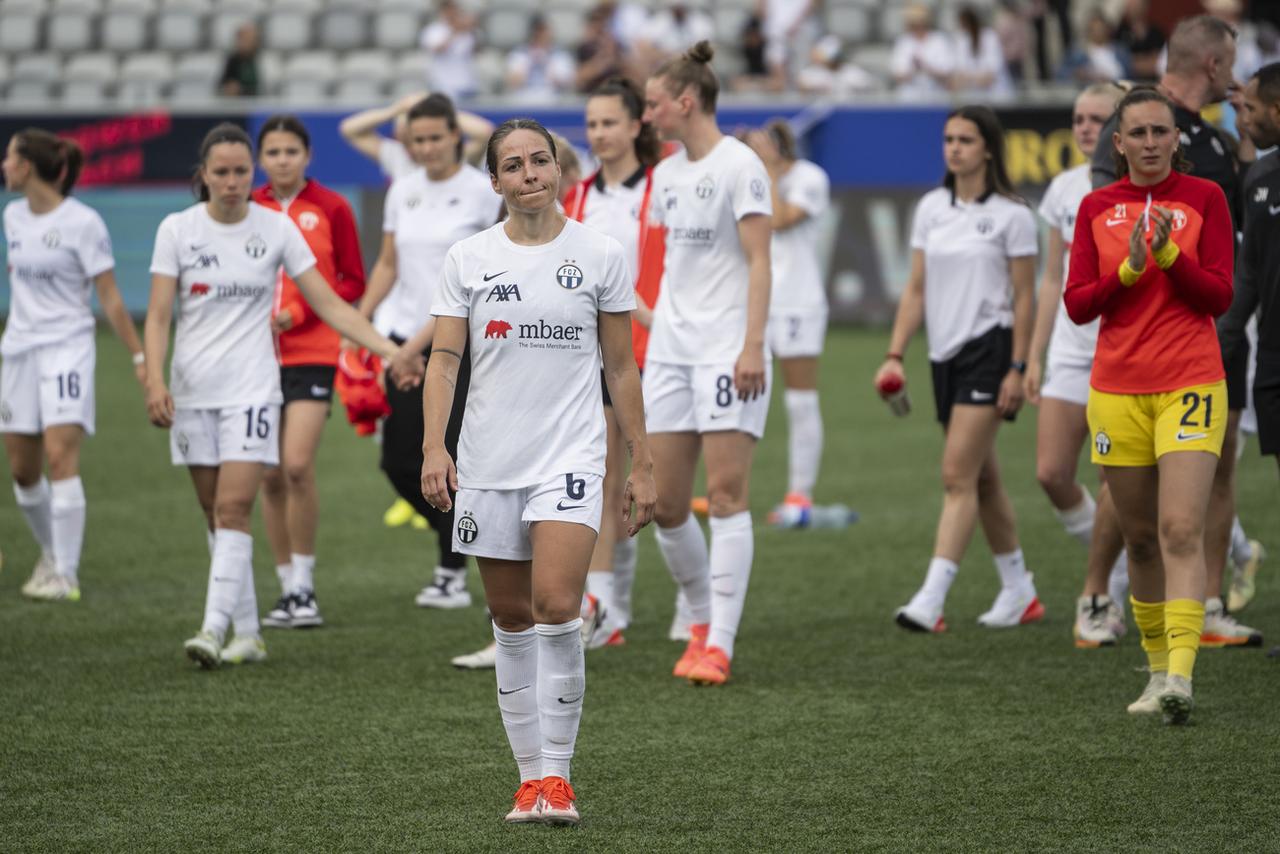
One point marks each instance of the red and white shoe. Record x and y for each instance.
(693, 651)
(1013, 607)
(558, 805)
(528, 803)
(711, 669)
(921, 615)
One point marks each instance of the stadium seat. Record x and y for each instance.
(88, 79)
(412, 69)
(270, 68)
(197, 72)
(124, 27)
(566, 24)
(491, 69)
(397, 28)
(506, 28)
(33, 77)
(308, 75)
(179, 26)
(143, 78)
(19, 30)
(359, 92)
(223, 25)
(849, 23)
(373, 65)
(287, 29)
(876, 59)
(728, 23)
(343, 27)
(70, 25)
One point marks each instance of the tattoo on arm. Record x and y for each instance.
(452, 353)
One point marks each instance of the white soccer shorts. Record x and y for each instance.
(48, 386)
(701, 399)
(797, 334)
(240, 434)
(494, 523)
(1067, 381)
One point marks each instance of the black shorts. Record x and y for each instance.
(1238, 378)
(403, 428)
(307, 382)
(604, 390)
(973, 375)
(1266, 401)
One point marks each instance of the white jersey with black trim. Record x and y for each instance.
(223, 354)
(427, 217)
(534, 407)
(1069, 343)
(967, 247)
(615, 211)
(797, 270)
(701, 316)
(52, 259)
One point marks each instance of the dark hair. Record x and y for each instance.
(968, 20)
(437, 106)
(225, 132)
(783, 137)
(692, 68)
(997, 177)
(57, 161)
(647, 145)
(505, 130)
(286, 123)
(1268, 77)
(1147, 95)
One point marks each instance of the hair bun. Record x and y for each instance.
(701, 52)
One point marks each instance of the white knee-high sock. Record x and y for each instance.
(804, 441)
(67, 506)
(685, 551)
(1118, 581)
(302, 579)
(562, 680)
(244, 619)
(624, 576)
(232, 562)
(732, 550)
(35, 502)
(516, 666)
(1078, 521)
(1240, 548)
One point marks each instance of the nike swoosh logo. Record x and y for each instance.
(560, 505)
(225, 580)
(196, 247)
(513, 691)
(716, 415)
(1116, 221)
(319, 391)
(1273, 209)
(570, 701)
(1187, 437)
(722, 575)
(494, 276)
(980, 395)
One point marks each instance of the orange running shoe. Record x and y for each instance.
(700, 506)
(694, 650)
(528, 804)
(558, 802)
(711, 669)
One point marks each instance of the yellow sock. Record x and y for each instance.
(1183, 621)
(1150, 619)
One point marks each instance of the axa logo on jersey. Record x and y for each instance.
(503, 293)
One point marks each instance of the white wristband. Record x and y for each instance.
(139, 357)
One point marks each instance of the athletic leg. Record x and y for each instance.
(1016, 603)
(1061, 429)
(804, 425)
(680, 537)
(600, 578)
(67, 503)
(728, 458)
(33, 496)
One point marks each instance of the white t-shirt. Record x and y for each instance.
(701, 316)
(394, 159)
(933, 52)
(534, 407)
(53, 258)
(452, 59)
(223, 353)
(671, 36)
(615, 211)
(988, 59)
(546, 73)
(797, 270)
(427, 217)
(967, 247)
(1061, 201)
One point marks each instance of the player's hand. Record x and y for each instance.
(641, 491)
(890, 368)
(283, 321)
(140, 374)
(1138, 245)
(160, 405)
(1009, 401)
(407, 103)
(643, 315)
(407, 368)
(347, 344)
(748, 373)
(1162, 225)
(1031, 382)
(766, 149)
(439, 476)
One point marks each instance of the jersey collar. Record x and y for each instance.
(629, 183)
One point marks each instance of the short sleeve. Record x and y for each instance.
(451, 297)
(94, 249)
(164, 256)
(390, 208)
(751, 189)
(920, 225)
(1050, 206)
(616, 291)
(393, 160)
(295, 255)
(811, 193)
(1020, 239)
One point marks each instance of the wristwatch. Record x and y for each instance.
(1020, 367)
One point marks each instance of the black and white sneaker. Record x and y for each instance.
(447, 590)
(279, 617)
(304, 612)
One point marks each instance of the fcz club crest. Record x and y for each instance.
(569, 276)
(468, 530)
(255, 247)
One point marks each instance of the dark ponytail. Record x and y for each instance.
(225, 132)
(286, 123)
(647, 145)
(57, 161)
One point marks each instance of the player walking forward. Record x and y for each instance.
(532, 452)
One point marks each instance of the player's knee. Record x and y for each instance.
(1181, 535)
(232, 513)
(273, 481)
(1055, 479)
(513, 622)
(298, 475)
(726, 497)
(668, 514)
(555, 607)
(64, 461)
(955, 482)
(1143, 546)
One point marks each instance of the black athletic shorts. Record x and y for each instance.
(1266, 401)
(1238, 379)
(973, 375)
(307, 382)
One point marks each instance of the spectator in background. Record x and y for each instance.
(979, 63)
(539, 71)
(1099, 59)
(451, 41)
(828, 74)
(1013, 29)
(790, 29)
(1142, 39)
(670, 32)
(1040, 10)
(240, 78)
(752, 44)
(923, 59)
(600, 56)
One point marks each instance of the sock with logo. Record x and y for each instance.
(232, 561)
(35, 501)
(685, 550)
(284, 573)
(804, 440)
(1241, 551)
(562, 680)
(516, 665)
(67, 511)
(624, 576)
(1012, 569)
(301, 580)
(244, 619)
(937, 581)
(1183, 622)
(1150, 619)
(1118, 581)
(732, 551)
(1078, 521)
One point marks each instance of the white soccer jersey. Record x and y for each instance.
(1069, 343)
(53, 258)
(394, 159)
(797, 270)
(701, 316)
(967, 247)
(534, 408)
(427, 217)
(615, 211)
(223, 354)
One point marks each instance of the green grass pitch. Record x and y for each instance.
(838, 732)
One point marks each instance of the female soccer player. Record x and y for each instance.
(58, 247)
(219, 260)
(1152, 257)
(1062, 391)
(798, 310)
(707, 372)
(529, 501)
(426, 212)
(308, 356)
(973, 247)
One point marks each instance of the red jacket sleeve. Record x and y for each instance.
(1206, 285)
(1088, 290)
(346, 251)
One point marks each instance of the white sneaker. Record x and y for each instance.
(44, 572)
(481, 659)
(279, 616)
(1148, 702)
(682, 621)
(1013, 607)
(244, 650)
(1244, 578)
(59, 588)
(1095, 622)
(447, 590)
(1222, 630)
(1175, 700)
(921, 614)
(304, 613)
(205, 649)
(1115, 615)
